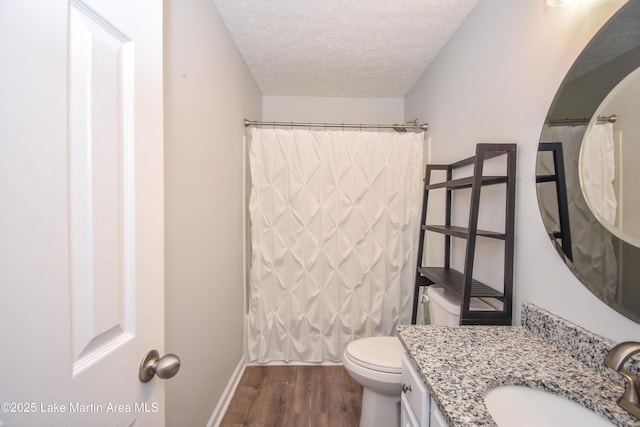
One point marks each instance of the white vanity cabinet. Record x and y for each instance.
(436, 419)
(417, 406)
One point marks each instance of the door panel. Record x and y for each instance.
(101, 146)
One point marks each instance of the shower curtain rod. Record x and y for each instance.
(601, 119)
(396, 127)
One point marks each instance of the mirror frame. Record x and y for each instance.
(570, 107)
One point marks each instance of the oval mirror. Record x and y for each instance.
(587, 192)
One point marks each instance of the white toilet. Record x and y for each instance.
(376, 362)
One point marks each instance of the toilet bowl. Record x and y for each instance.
(376, 362)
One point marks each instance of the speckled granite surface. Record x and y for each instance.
(460, 364)
(582, 344)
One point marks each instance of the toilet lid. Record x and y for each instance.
(378, 353)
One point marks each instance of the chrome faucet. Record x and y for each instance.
(615, 359)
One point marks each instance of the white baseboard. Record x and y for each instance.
(227, 395)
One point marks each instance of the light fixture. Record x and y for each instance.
(559, 3)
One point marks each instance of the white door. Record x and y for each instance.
(81, 211)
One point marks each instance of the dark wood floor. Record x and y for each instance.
(296, 396)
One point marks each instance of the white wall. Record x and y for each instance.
(495, 80)
(333, 109)
(208, 92)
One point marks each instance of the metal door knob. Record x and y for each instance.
(164, 367)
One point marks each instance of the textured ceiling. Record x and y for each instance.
(358, 48)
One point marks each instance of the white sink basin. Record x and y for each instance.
(518, 406)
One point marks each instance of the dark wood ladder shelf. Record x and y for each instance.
(462, 232)
(462, 284)
(562, 237)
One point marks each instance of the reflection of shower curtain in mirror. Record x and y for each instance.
(593, 253)
(599, 171)
(334, 226)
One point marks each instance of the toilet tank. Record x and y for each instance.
(444, 307)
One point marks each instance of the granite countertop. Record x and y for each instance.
(460, 364)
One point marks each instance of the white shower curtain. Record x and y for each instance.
(334, 227)
(598, 171)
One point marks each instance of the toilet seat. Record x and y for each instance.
(376, 364)
(382, 354)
